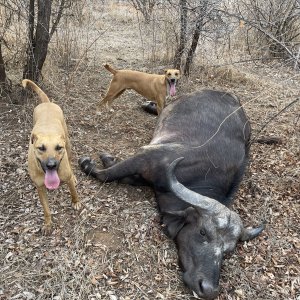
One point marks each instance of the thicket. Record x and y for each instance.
(173, 31)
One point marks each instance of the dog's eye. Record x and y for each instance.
(176, 74)
(58, 148)
(169, 74)
(42, 148)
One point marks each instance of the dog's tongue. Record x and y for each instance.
(52, 180)
(172, 89)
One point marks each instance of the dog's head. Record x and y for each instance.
(172, 76)
(49, 151)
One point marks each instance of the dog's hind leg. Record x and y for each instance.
(42, 191)
(109, 98)
(113, 92)
(76, 204)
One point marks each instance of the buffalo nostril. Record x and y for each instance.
(208, 290)
(200, 287)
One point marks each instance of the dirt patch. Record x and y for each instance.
(104, 239)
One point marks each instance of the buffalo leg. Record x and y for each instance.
(127, 171)
(150, 107)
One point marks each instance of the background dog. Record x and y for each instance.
(49, 152)
(152, 86)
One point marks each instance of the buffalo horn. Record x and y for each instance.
(188, 195)
(250, 233)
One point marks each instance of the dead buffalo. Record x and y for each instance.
(195, 163)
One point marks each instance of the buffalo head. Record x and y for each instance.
(206, 231)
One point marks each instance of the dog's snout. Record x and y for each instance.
(51, 164)
(173, 80)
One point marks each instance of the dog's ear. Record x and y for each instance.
(33, 138)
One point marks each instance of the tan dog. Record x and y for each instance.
(49, 152)
(152, 86)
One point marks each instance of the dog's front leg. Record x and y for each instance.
(42, 191)
(76, 204)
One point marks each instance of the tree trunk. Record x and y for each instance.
(5, 83)
(2, 69)
(183, 34)
(29, 67)
(57, 20)
(190, 56)
(38, 44)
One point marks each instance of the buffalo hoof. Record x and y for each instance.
(85, 164)
(150, 107)
(107, 160)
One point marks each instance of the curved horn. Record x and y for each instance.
(250, 233)
(188, 195)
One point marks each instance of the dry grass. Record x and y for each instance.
(114, 248)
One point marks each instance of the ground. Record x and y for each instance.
(114, 247)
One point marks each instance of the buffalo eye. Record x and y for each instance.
(202, 232)
(58, 147)
(42, 148)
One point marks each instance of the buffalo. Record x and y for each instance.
(195, 163)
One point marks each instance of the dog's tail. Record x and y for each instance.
(110, 69)
(41, 94)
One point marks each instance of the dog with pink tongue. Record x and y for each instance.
(49, 153)
(52, 180)
(154, 87)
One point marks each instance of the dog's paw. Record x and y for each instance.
(47, 229)
(76, 205)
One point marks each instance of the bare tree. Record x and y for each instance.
(183, 34)
(146, 7)
(6, 19)
(38, 41)
(203, 18)
(39, 36)
(272, 25)
(193, 47)
(3, 78)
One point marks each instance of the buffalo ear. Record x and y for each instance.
(175, 220)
